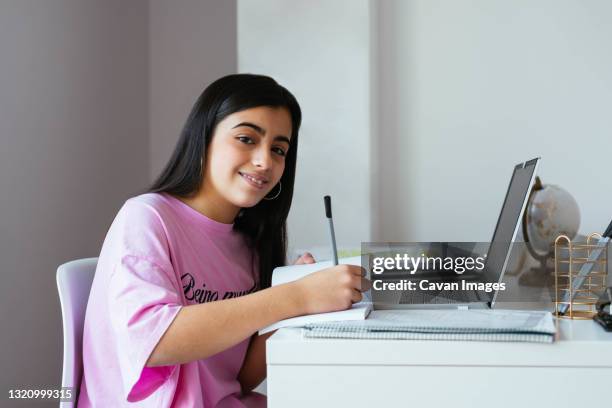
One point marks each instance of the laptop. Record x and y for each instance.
(496, 261)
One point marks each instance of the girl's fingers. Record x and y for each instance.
(356, 296)
(306, 258)
(357, 270)
(365, 285)
(361, 284)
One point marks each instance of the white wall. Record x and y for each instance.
(320, 51)
(469, 88)
(73, 147)
(192, 43)
(426, 105)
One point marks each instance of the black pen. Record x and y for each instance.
(328, 214)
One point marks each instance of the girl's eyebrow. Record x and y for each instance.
(253, 126)
(262, 131)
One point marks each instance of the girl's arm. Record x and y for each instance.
(253, 370)
(202, 330)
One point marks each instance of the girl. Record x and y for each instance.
(183, 279)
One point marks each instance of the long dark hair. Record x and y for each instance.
(265, 224)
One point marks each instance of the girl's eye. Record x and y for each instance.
(279, 151)
(245, 139)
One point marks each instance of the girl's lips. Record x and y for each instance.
(251, 181)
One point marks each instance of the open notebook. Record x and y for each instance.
(285, 274)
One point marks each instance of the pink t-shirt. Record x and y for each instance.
(158, 256)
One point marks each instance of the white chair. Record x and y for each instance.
(74, 281)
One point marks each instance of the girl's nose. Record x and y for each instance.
(262, 159)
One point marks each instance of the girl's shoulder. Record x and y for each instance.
(162, 209)
(171, 214)
(146, 210)
(154, 200)
(149, 203)
(139, 230)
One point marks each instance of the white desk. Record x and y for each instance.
(396, 373)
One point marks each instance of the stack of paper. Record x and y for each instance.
(479, 325)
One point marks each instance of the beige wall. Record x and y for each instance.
(192, 43)
(79, 81)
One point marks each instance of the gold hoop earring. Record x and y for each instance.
(280, 186)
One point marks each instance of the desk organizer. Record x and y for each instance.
(569, 259)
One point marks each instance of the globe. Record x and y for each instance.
(551, 211)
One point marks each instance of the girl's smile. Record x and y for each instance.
(255, 180)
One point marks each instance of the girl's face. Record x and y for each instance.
(246, 157)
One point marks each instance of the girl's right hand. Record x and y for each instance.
(332, 289)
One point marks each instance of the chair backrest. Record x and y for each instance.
(74, 281)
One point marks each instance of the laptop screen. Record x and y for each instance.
(509, 221)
